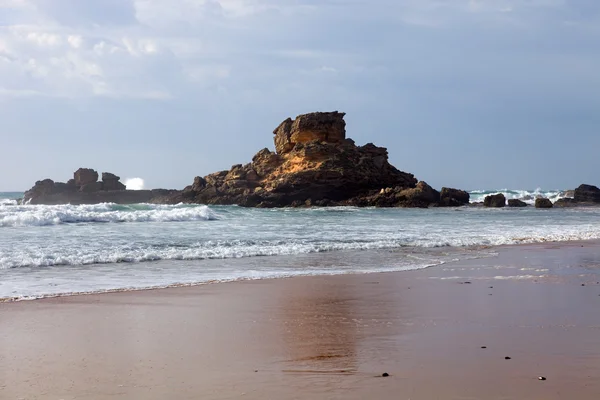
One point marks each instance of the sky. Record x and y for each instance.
(470, 94)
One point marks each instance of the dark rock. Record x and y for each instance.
(199, 184)
(453, 197)
(566, 202)
(84, 176)
(587, 194)
(516, 203)
(385, 374)
(542, 378)
(507, 358)
(111, 182)
(107, 176)
(91, 187)
(543, 203)
(47, 187)
(315, 165)
(494, 200)
(484, 347)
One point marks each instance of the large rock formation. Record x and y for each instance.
(315, 164)
(84, 188)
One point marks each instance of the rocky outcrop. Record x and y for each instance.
(316, 165)
(494, 200)
(453, 197)
(587, 194)
(83, 176)
(516, 203)
(111, 182)
(324, 127)
(79, 190)
(542, 202)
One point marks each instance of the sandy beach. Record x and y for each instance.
(329, 337)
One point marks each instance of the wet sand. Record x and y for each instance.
(324, 337)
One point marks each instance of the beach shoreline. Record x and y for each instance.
(499, 248)
(324, 337)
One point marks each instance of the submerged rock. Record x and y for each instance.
(494, 200)
(516, 203)
(565, 202)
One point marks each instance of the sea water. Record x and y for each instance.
(66, 249)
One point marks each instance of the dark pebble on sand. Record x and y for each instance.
(507, 358)
(542, 378)
(385, 374)
(491, 287)
(583, 284)
(484, 347)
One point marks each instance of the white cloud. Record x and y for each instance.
(75, 41)
(158, 48)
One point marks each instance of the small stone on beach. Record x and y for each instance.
(507, 358)
(385, 374)
(484, 347)
(542, 378)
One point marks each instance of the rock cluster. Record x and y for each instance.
(316, 165)
(85, 180)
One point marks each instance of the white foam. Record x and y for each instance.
(28, 215)
(528, 196)
(134, 183)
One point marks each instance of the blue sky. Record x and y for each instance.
(470, 94)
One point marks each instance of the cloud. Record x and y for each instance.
(166, 49)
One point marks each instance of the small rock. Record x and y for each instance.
(507, 358)
(542, 378)
(491, 287)
(385, 374)
(484, 347)
(583, 284)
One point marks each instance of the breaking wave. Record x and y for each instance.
(527, 196)
(12, 215)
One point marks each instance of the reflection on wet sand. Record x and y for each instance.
(319, 330)
(324, 326)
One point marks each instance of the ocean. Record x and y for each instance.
(58, 250)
